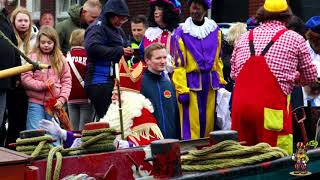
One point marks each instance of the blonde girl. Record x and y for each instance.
(25, 32)
(46, 50)
(16, 97)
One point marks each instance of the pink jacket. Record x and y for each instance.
(36, 86)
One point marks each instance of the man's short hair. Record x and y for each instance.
(149, 49)
(140, 19)
(89, 5)
(201, 2)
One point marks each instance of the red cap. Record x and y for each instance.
(130, 78)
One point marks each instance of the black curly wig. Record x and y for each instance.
(170, 17)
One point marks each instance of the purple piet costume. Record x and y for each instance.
(197, 75)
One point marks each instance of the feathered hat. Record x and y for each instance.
(174, 3)
(130, 78)
(207, 3)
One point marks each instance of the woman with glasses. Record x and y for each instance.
(105, 43)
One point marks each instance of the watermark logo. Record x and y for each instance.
(300, 157)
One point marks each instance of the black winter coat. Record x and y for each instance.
(8, 56)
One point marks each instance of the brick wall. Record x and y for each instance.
(253, 6)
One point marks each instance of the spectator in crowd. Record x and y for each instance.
(139, 24)
(47, 19)
(9, 58)
(42, 85)
(105, 43)
(198, 73)
(26, 34)
(298, 96)
(313, 44)
(231, 37)
(296, 24)
(80, 109)
(17, 97)
(140, 126)
(264, 65)
(11, 5)
(163, 20)
(160, 91)
(80, 17)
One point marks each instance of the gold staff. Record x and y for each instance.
(17, 70)
(119, 98)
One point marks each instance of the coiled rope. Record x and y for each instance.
(37, 147)
(100, 140)
(228, 154)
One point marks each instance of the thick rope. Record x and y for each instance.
(86, 138)
(43, 151)
(213, 148)
(228, 154)
(94, 139)
(54, 151)
(240, 152)
(100, 140)
(29, 147)
(38, 149)
(235, 163)
(98, 131)
(20, 141)
(57, 169)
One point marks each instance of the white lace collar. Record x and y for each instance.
(153, 33)
(199, 32)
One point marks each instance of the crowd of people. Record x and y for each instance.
(176, 77)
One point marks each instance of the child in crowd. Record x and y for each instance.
(26, 37)
(80, 110)
(42, 85)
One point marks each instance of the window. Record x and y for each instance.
(63, 6)
(34, 7)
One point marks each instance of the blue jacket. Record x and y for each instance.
(161, 93)
(104, 44)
